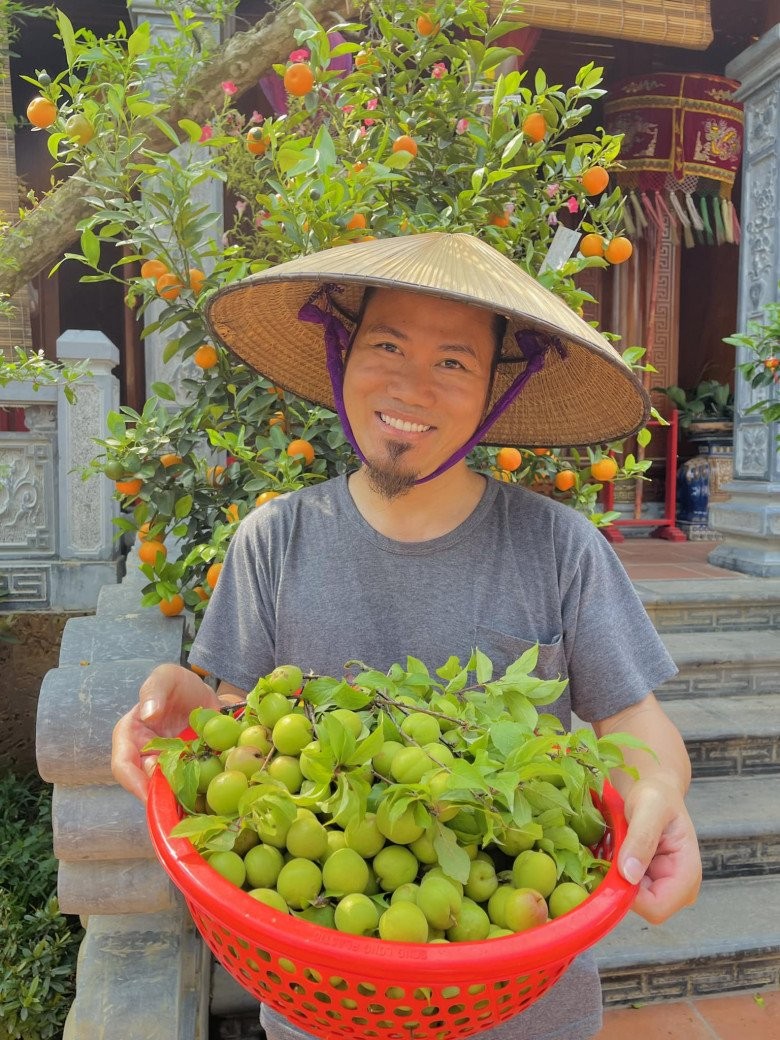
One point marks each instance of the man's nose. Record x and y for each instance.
(411, 383)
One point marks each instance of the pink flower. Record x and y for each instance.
(300, 55)
(240, 206)
(461, 126)
(206, 134)
(552, 190)
(256, 117)
(369, 122)
(439, 70)
(229, 87)
(572, 205)
(372, 103)
(552, 220)
(347, 109)
(363, 131)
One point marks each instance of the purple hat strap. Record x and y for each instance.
(337, 341)
(533, 347)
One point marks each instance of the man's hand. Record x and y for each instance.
(165, 701)
(660, 851)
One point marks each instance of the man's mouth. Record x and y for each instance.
(402, 425)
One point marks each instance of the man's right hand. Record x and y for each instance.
(165, 701)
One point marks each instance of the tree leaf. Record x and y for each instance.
(163, 391)
(453, 859)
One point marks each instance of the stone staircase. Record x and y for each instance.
(725, 638)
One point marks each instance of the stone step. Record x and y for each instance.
(713, 605)
(719, 664)
(737, 821)
(728, 941)
(728, 736)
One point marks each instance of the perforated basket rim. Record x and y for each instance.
(235, 910)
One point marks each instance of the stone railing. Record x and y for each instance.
(57, 539)
(143, 970)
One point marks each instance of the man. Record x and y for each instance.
(433, 343)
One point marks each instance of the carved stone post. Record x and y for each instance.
(86, 508)
(750, 520)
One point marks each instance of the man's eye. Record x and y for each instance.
(452, 363)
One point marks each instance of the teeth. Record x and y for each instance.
(405, 427)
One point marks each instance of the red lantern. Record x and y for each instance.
(681, 150)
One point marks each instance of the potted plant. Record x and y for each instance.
(706, 411)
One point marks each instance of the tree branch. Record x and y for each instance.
(42, 236)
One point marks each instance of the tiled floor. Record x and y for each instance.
(654, 559)
(750, 1016)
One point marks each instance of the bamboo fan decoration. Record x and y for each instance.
(682, 146)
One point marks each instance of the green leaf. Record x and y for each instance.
(53, 143)
(468, 775)
(163, 391)
(521, 709)
(398, 160)
(524, 664)
(90, 247)
(413, 664)
(453, 859)
(483, 667)
(367, 748)
(326, 149)
(191, 129)
(507, 736)
(141, 108)
(644, 437)
(68, 37)
(333, 735)
(172, 347)
(450, 668)
(116, 425)
(139, 40)
(183, 507)
(199, 829)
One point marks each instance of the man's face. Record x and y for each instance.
(416, 383)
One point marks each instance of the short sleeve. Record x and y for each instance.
(236, 638)
(615, 656)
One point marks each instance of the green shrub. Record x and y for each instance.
(38, 945)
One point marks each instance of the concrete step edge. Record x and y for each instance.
(702, 649)
(745, 716)
(729, 918)
(735, 807)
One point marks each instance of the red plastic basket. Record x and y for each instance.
(336, 985)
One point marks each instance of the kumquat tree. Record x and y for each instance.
(397, 123)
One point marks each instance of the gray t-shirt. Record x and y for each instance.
(308, 581)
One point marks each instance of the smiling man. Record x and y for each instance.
(425, 346)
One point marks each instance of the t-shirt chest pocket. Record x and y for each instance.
(504, 649)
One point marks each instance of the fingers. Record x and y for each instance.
(657, 900)
(127, 763)
(165, 700)
(649, 809)
(660, 852)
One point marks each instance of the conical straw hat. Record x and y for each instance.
(584, 394)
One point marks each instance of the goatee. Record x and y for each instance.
(388, 479)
